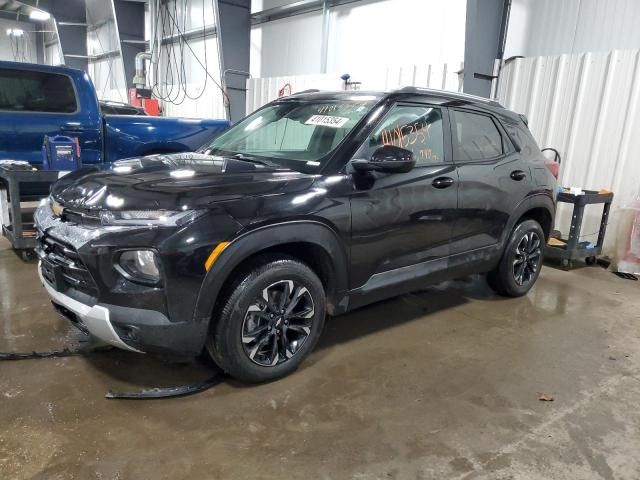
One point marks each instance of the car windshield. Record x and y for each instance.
(292, 133)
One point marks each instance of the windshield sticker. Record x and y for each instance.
(342, 108)
(327, 121)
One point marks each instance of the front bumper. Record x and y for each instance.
(95, 319)
(77, 270)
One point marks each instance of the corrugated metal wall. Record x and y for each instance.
(360, 34)
(553, 27)
(588, 107)
(442, 76)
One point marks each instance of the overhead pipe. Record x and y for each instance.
(140, 79)
(154, 45)
(325, 37)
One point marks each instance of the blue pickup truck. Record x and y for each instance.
(39, 100)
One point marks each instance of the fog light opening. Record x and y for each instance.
(140, 265)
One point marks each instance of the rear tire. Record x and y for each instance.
(521, 261)
(270, 320)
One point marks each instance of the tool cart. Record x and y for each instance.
(21, 188)
(567, 250)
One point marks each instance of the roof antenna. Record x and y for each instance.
(349, 85)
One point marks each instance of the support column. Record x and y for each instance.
(39, 45)
(233, 24)
(130, 20)
(71, 17)
(486, 27)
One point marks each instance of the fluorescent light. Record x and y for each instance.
(39, 15)
(16, 32)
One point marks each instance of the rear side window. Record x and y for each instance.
(25, 91)
(520, 132)
(477, 137)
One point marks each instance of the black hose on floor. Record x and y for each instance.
(149, 394)
(66, 352)
(167, 392)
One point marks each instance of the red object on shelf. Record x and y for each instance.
(133, 98)
(151, 105)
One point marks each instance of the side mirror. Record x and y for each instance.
(388, 159)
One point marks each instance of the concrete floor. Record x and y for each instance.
(438, 384)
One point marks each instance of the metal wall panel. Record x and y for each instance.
(553, 27)
(438, 76)
(588, 107)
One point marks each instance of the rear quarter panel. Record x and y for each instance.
(131, 136)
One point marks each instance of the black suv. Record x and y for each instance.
(317, 203)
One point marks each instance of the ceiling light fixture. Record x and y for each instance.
(39, 15)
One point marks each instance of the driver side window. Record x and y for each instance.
(416, 128)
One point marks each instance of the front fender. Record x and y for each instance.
(262, 238)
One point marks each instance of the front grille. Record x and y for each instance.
(62, 267)
(81, 217)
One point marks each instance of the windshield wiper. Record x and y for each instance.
(243, 157)
(239, 156)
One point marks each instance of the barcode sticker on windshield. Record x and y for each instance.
(327, 121)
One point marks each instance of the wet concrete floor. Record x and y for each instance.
(443, 383)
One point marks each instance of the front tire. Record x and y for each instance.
(270, 320)
(521, 261)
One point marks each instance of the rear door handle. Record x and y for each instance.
(442, 182)
(518, 175)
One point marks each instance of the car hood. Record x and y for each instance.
(176, 181)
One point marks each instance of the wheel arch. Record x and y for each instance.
(540, 208)
(311, 242)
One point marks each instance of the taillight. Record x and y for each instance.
(553, 164)
(554, 168)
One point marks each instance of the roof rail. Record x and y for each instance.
(310, 90)
(445, 93)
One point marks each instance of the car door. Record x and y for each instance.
(38, 103)
(402, 221)
(493, 179)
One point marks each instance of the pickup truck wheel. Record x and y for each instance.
(270, 321)
(521, 261)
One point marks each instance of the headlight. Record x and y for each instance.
(166, 218)
(140, 265)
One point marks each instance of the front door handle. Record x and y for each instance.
(518, 175)
(442, 182)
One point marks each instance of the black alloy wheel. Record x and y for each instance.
(527, 258)
(269, 320)
(521, 260)
(277, 323)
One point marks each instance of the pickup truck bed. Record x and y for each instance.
(39, 100)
